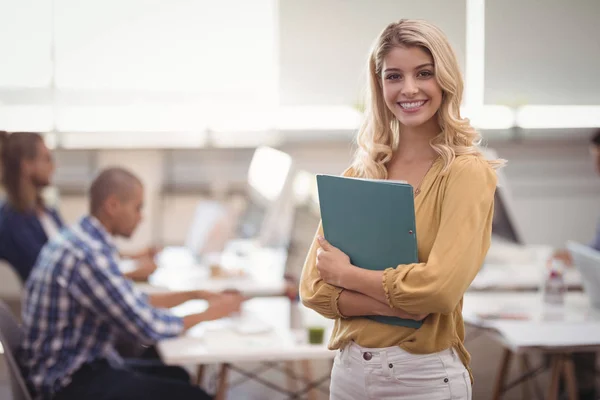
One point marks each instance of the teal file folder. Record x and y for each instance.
(373, 222)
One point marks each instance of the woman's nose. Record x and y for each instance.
(410, 88)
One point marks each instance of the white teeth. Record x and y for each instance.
(414, 104)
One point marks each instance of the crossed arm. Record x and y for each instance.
(334, 301)
(355, 304)
(335, 288)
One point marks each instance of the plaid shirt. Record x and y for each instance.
(76, 303)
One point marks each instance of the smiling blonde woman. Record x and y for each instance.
(412, 131)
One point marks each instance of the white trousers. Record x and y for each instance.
(392, 373)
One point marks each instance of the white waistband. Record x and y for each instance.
(395, 352)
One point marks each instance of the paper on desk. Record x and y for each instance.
(517, 276)
(508, 275)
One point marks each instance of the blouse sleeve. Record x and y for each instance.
(314, 292)
(460, 246)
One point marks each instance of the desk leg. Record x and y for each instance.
(557, 369)
(306, 365)
(569, 374)
(222, 385)
(290, 379)
(502, 375)
(199, 375)
(525, 368)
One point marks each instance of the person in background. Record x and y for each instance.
(585, 363)
(413, 131)
(26, 222)
(564, 254)
(77, 303)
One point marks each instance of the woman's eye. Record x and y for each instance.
(392, 77)
(425, 74)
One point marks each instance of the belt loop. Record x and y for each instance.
(345, 354)
(385, 365)
(454, 353)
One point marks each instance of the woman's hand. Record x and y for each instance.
(333, 264)
(223, 305)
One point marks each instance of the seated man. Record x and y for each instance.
(77, 302)
(26, 222)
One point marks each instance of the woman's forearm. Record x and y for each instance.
(354, 304)
(366, 282)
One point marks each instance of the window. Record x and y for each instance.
(134, 65)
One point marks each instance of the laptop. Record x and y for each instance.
(587, 261)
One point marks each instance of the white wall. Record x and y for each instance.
(536, 51)
(542, 52)
(555, 189)
(324, 45)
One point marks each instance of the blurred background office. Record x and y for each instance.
(184, 92)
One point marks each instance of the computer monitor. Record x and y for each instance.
(207, 216)
(269, 213)
(587, 261)
(505, 225)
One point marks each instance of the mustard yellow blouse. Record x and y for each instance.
(454, 214)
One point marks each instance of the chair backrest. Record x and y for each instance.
(10, 338)
(11, 286)
(587, 261)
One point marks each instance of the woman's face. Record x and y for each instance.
(41, 168)
(410, 89)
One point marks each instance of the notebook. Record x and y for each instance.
(373, 222)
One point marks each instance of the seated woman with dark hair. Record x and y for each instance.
(26, 223)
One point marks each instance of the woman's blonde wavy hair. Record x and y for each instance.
(378, 137)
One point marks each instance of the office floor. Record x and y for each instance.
(486, 355)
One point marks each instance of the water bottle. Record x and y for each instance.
(554, 290)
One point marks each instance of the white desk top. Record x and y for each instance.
(578, 326)
(223, 341)
(264, 270)
(518, 277)
(517, 267)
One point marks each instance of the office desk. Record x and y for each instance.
(515, 276)
(225, 342)
(263, 273)
(509, 266)
(578, 329)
